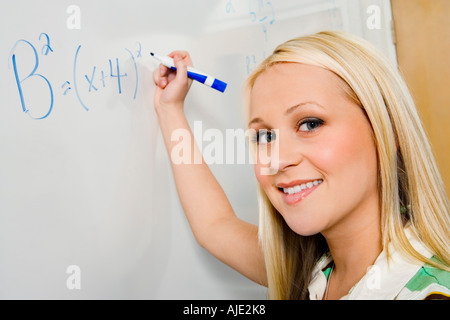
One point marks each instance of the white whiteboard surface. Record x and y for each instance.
(89, 184)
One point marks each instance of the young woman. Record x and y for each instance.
(353, 207)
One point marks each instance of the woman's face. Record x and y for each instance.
(323, 156)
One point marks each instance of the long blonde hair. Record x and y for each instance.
(411, 190)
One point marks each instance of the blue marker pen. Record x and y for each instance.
(193, 74)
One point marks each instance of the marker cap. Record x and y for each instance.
(219, 85)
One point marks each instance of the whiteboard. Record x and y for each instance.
(86, 188)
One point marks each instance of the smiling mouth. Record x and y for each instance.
(297, 192)
(300, 187)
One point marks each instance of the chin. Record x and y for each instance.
(306, 232)
(301, 219)
(303, 227)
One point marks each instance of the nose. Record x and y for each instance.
(289, 154)
(283, 153)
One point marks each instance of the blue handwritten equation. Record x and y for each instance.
(94, 79)
(260, 13)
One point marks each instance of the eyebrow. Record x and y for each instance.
(288, 111)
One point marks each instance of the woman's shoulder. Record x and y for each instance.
(429, 283)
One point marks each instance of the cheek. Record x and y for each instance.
(262, 179)
(266, 181)
(351, 155)
(263, 161)
(330, 152)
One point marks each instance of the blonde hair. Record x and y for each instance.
(408, 175)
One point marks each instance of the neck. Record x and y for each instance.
(354, 246)
(357, 249)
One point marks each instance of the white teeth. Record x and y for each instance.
(302, 186)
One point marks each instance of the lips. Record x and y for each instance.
(295, 191)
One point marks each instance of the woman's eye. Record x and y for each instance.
(310, 125)
(265, 136)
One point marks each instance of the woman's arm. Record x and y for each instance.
(210, 215)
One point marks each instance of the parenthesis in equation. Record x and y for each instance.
(75, 78)
(136, 72)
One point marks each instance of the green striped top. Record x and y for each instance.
(390, 278)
